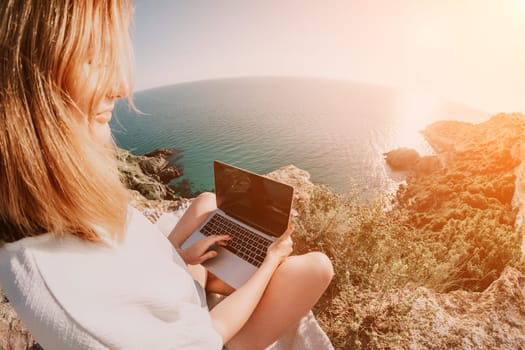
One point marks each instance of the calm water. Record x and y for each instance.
(335, 130)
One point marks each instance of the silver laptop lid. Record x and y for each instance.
(255, 200)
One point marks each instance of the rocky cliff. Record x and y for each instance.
(476, 180)
(147, 178)
(495, 149)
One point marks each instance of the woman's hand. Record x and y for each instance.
(281, 248)
(199, 251)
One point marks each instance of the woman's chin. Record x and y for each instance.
(102, 134)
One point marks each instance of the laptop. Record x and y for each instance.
(254, 210)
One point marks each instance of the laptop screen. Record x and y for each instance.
(253, 199)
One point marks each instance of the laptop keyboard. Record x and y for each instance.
(245, 244)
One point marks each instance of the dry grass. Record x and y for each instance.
(376, 253)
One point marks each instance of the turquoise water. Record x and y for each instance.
(336, 130)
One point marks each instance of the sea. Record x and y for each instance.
(336, 130)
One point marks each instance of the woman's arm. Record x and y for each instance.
(230, 315)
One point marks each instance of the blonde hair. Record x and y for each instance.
(53, 176)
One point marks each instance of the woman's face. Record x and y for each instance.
(82, 85)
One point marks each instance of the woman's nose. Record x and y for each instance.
(122, 84)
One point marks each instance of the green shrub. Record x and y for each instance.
(376, 251)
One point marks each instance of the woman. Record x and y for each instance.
(81, 267)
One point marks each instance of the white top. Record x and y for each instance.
(73, 294)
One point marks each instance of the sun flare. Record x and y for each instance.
(415, 111)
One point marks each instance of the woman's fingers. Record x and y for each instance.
(283, 246)
(210, 241)
(220, 239)
(208, 255)
(288, 233)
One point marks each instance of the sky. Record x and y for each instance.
(466, 51)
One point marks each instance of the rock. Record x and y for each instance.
(152, 165)
(163, 152)
(402, 159)
(500, 131)
(148, 191)
(158, 168)
(13, 334)
(492, 319)
(419, 318)
(147, 175)
(428, 164)
(447, 136)
(300, 180)
(161, 205)
(169, 173)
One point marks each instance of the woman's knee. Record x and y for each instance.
(206, 197)
(320, 266)
(205, 202)
(313, 268)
